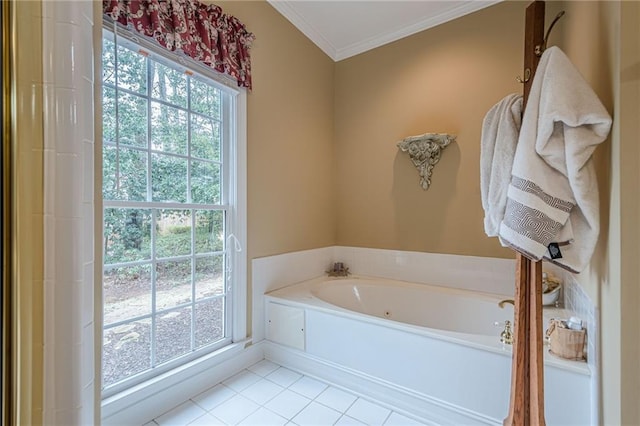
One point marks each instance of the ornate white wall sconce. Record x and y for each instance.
(425, 151)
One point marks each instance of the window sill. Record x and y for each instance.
(149, 399)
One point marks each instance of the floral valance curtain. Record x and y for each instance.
(201, 31)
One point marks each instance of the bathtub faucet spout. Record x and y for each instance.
(505, 301)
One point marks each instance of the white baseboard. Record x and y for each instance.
(427, 409)
(139, 406)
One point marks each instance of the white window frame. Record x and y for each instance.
(120, 397)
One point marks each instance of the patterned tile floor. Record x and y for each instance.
(268, 394)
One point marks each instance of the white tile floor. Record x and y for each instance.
(268, 394)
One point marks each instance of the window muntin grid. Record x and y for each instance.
(173, 187)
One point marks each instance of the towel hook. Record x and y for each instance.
(541, 48)
(527, 76)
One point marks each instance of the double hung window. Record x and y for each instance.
(168, 213)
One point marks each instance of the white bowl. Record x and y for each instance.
(551, 297)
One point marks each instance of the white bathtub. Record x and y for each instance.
(433, 352)
(416, 304)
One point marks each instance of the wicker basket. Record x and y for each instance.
(565, 342)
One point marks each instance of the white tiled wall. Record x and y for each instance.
(274, 272)
(483, 274)
(577, 303)
(67, 29)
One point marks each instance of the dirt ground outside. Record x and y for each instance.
(127, 348)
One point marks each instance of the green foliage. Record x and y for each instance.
(179, 229)
(132, 119)
(205, 138)
(124, 174)
(148, 120)
(205, 182)
(132, 70)
(209, 231)
(109, 114)
(205, 99)
(127, 235)
(168, 84)
(168, 129)
(168, 178)
(178, 242)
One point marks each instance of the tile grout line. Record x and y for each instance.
(288, 419)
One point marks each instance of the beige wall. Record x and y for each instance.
(441, 80)
(589, 34)
(290, 203)
(629, 161)
(290, 136)
(619, 291)
(603, 40)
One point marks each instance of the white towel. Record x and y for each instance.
(500, 130)
(553, 195)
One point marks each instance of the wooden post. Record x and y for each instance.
(526, 405)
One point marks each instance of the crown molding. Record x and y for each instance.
(430, 22)
(285, 8)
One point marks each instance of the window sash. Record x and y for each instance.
(227, 95)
